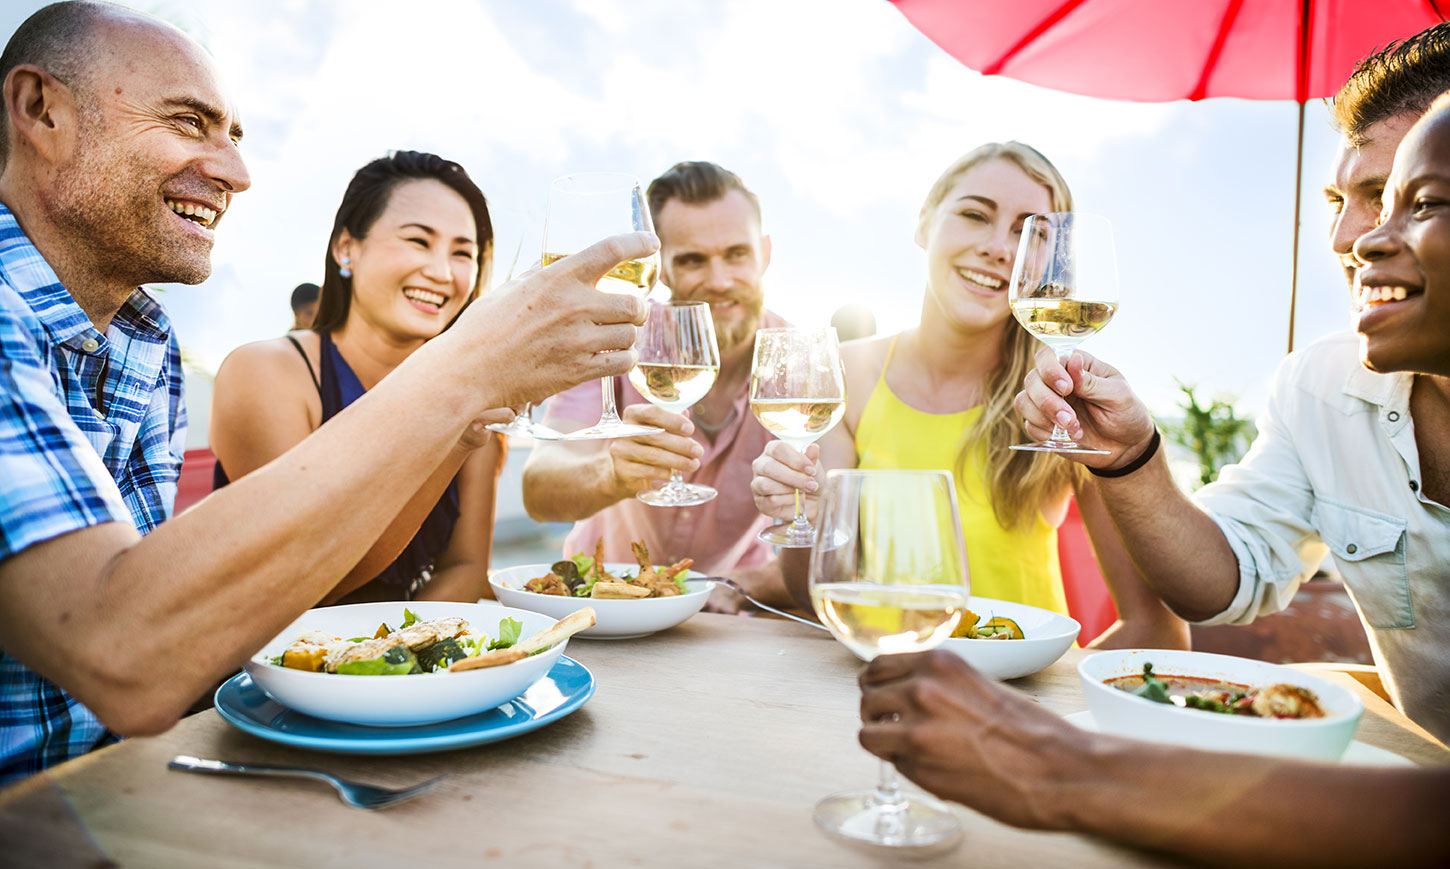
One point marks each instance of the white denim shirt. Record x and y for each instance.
(1335, 469)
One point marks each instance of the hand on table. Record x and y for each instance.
(1092, 401)
(779, 472)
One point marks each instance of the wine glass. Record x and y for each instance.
(584, 208)
(1064, 289)
(798, 392)
(889, 575)
(678, 363)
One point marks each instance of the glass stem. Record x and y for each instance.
(1059, 434)
(890, 807)
(677, 481)
(609, 413)
(799, 523)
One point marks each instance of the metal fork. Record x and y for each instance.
(735, 587)
(353, 793)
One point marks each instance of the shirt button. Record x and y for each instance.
(1394, 416)
(90, 344)
(1414, 486)
(1351, 549)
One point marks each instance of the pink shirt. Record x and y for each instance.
(719, 534)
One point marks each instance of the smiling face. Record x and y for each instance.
(416, 266)
(1404, 286)
(1358, 184)
(714, 252)
(154, 164)
(971, 237)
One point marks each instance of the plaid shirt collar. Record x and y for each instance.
(36, 282)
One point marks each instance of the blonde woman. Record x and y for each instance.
(940, 396)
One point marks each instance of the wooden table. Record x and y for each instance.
(706, 745)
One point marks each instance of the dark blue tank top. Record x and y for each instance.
(338, 387)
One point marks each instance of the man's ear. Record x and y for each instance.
(42, 111)
(920, 236)
(764, 252)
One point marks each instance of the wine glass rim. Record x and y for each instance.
(679, 303)
(888, 472)
(625, 181)
(801, 329)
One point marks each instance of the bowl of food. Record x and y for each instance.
(1006, 640)
(1218, 702)
(396, 663)
(629, 600)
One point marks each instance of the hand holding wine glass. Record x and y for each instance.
(679, 360)
(798, 392)
(888, 575)
(1064, 289)
(582, 209)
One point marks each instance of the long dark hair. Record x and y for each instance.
(367, 196)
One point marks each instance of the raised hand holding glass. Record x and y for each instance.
(679, 360)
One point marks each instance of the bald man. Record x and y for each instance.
(118, 170)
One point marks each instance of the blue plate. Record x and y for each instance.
(562, 690)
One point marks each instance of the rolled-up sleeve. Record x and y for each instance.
(1263, 505)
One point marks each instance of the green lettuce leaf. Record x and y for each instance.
(410, 618)
(508, 634)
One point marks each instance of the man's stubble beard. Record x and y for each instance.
(115, 225)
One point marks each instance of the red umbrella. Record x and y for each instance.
(1160, 50)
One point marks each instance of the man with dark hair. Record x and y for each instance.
(304, 305)
(712, 249)
(1348, 461)
(105, 189)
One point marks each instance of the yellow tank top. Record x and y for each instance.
(1020, 565)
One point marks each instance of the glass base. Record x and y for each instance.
(523, 428)
(606, 430)
(787, 536)
(1061, 447)
(677, 495)
(919, 823)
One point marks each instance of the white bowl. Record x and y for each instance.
(1122, 713)
(391, 701)
(613, 619)
(1047, 635)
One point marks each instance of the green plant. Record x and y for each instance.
(1215, 434)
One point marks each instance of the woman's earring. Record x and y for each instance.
(343, 270)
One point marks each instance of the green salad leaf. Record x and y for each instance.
(508, 633)
(410, 618)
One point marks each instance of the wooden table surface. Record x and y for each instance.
(706, 745)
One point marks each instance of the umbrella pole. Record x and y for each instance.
(1298, 192)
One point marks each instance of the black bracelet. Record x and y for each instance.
(1135, 464)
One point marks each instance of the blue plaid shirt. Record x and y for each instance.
(92, 430)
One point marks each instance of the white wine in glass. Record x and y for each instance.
(1064, 290)
(584, 208)
(679, 360)
(889, 575)
(798, 392)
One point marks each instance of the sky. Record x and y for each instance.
(837, 113)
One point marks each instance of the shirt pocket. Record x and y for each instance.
(1370, 550)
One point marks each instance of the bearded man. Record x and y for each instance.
(712, 249)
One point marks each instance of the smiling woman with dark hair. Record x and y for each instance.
(410, 248)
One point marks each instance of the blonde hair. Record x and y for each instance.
(1017, 481)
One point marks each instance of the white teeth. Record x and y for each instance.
(1376, 295)
(426, 296)
(207, 216)
(1399, 294)
(987, 281)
